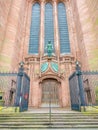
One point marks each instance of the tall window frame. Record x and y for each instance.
(49, 26)
(35, 29)
(63, 29)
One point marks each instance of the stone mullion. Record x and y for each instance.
(56, 31)
(41, 42)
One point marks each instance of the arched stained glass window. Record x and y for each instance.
(63, 29)
(35, 29)
(49, 25)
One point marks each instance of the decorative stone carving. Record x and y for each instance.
(44, 67)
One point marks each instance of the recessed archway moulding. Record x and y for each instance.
(50, 77)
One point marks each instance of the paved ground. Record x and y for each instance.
(56, 110)
(53, 110)
(56, 129)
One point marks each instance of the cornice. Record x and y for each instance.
(45, 1)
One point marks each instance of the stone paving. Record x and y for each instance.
(53, 110)
(57, 110)
(59, 129)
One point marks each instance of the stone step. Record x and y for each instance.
(46, 120)
(41, 121)
(82, 117)
(47, 126)
(45, 123)
(46, 117)
(74, 113)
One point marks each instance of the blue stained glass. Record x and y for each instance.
(49, 25)
(35, 29)
(63, 29)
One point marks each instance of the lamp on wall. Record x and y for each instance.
(21, 64)
(78, 65)
(23, 67)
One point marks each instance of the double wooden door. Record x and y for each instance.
(50, 93)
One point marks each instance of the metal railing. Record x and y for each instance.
(84, 89)
(14, 90)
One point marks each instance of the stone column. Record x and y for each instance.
(41, 46)
(31, 84)
(67, 90)
(56, 31)
(8, 47)
(40, 94)
(59, 93)
(65, 87)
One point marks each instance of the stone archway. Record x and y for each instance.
(50, 93)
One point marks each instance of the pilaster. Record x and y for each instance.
(9, 46)
(56, 29)
(41, 45)
(72, 30)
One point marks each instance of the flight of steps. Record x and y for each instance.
(37, 121)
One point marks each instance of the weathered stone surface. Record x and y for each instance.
(15, 21)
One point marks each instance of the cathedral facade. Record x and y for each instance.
(26, 28)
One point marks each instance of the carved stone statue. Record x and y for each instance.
(49, 48)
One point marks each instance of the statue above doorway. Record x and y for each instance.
(49, 48)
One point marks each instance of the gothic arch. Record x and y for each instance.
(55, 77)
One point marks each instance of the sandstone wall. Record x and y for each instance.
(11, 31)
(5, 6)
(15, 19)
(93, 18)
(86, 21)
(4, 13)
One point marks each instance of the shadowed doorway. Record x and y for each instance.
(50, 93)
